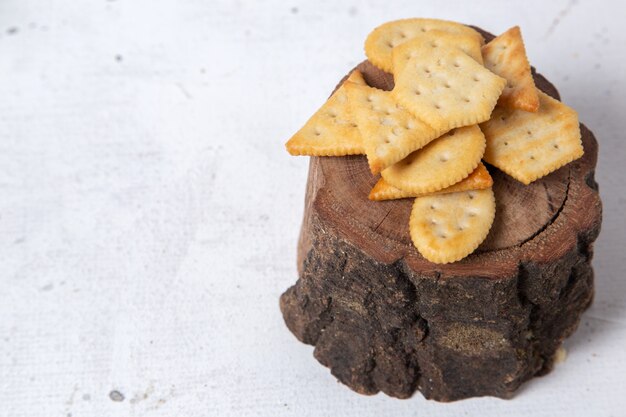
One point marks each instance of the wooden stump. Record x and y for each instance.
(382, 318)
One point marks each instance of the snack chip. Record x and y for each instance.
(404, 52)
(389, 132)
(506, 56)
(447, 227)
(479, 179)
(446, 88)
(331, 131)
(528, 146)
(385, 37)
(443, 162)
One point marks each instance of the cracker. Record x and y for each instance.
(331, 131)
(389, 132)
(356, 77)
(435, 38)
(506, 56)
(527, 145)
(446, 88)
(447, 227)
(479, 179)
(445, 161)
(384, 38)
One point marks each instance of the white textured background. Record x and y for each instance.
(149, 213)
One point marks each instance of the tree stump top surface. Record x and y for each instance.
(535, 223)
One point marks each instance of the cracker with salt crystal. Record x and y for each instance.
(331, 131)
(447, 227)
(479, 179)
(436, 39)
(506, 56)
(446, 88)
(389, 132)
(528, 146)
(384, 38)
(443, 162)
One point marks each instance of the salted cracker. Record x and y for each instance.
(443, 162)
(332, 130)
(447, 227)
(506, 56)
(528, 146)
(384, 38)
(446, 88)
(479, 179)
(401, 54)
(389, 132)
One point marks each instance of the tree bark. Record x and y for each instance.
(383, 318)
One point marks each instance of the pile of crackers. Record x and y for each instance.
(456, 101)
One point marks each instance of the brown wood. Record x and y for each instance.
(385, 319)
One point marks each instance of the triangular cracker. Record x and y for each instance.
(441, 163)
(389, 132)
(479, 179)
(331, 131)
(437, 39)
(506, 56)
(447, 227)
(527, 145)
(356, 77)
(446, 88)
(384, 38)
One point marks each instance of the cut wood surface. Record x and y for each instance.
(385, 319)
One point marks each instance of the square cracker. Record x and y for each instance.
(331, 131)
(402, 53)
(528, 146)
(447, 227)
(385, 37)
(479, 179)
(506, 56)
(389, 132)
(446, 88)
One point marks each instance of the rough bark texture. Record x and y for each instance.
(384, 319)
